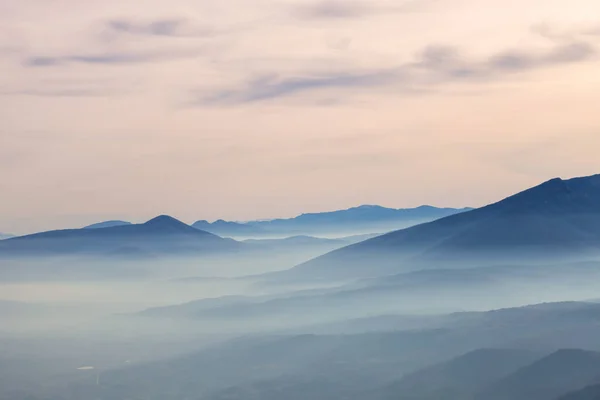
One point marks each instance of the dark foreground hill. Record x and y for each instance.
(552, 376)
(460, 378)
(588, 393)
(162, 234)
(557, 219)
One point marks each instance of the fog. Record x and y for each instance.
(60, 335)
(161, 310)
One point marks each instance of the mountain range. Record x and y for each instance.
(362, 219)
(162, 234)
(557, 219)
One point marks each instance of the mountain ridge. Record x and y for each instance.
(160, 234)
(557, 217)
(362, 217)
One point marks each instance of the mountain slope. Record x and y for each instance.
(107, 224)
(461, 377)
(5, 236)
(556, 218)
(161, 234)
(588, 393)
(549, 378)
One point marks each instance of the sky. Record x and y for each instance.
(247, 109)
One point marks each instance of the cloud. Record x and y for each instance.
(332, 9)
(518, 60)
(73, 88)
(175, 27)
(272, 86)
(112, 58)
(58, 92)
(351, 9)
(434, 66)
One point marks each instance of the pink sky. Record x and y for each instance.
(244, 109)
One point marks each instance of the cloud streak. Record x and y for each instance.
(112, 58)
(332, 9)
(175, 27)
(70, 87)
(434, 66)
(351, 9)
(272, 86)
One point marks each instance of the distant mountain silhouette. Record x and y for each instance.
(549, 378)
(5, 236)
(556, 218)
(159, 235)
(107, 224)
(353, 220)
(461, 377)
(227, 228)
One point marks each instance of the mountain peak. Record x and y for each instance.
(164, 221)
(558, 195)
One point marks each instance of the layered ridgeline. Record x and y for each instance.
(162, 234)
(557, 219)
(510, 354)
(363, 219)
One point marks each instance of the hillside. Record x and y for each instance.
(461, 377)
(107, 224)
(549, 378)
(159, 235)
(588, 393)
(559, 218)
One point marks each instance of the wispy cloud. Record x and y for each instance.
(72, 88)
(174, 27)
(272, 86)
(333, 9)
(82, 92)
(350, 9)
(435, 65)
(112, 58)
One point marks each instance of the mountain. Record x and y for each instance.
(107, 224)
(366, 218)
(559, 218)
(480, 355)
(159, 235)
(300, 365)
(461, 377)
(5, 236)
(588, 393)
(549, 378)
(227, 228)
